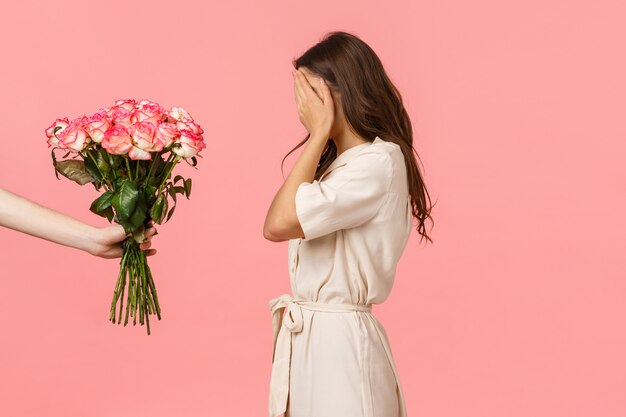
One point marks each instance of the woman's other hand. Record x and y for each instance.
(315, 109)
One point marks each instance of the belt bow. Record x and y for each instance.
(283, 324)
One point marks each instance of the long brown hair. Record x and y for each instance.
(371, 104)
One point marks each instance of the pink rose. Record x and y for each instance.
(179, 115)
(188, 144)
(74, 137)
(97, 125)
(193, 126)
(128, 104)
(119, 115)
(52, 139)
(167, 133)
(147, 111)
(117, 141)
(144, 140)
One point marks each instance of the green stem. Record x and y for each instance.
(154, 157)
(122, 297)
(112, 166)
(130, 295)
(130, 171)
(120, 283)
(154, 293)
(169, 171)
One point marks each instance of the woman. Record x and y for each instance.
(346, 208)
(23, 215)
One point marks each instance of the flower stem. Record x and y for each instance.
(130, 171)
(169, 171)
(119, 284)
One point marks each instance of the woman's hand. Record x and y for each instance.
(317, 115)
(107, 241)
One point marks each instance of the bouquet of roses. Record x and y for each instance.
(129, 151)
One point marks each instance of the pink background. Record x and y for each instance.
(518, 108)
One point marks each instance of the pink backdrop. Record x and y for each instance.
(517, 310)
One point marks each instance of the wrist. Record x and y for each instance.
(316, 137)
(90, 240)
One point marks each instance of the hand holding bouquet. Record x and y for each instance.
(129, 151)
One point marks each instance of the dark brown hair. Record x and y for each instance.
(371, 104)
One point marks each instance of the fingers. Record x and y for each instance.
(328, 98)
(150, 232)
(297, 88)
(307, 90)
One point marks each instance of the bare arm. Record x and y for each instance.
(21, 214)
(281, 222)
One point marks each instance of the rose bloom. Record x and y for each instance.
(97, 125)
(193, 126)
(180, 115)
(117, 141)
(147, 111)
(167, 133)
(144, 140)
(52, 139)
(129, 104)
(188, 144)
(74, 137)
(119, 115)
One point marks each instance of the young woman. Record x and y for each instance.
(346, 208)
(23, 215)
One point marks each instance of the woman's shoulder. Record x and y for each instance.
(382, 150)
(386, 145)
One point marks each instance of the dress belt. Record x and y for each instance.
(283, 325)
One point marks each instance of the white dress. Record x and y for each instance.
(331, 356)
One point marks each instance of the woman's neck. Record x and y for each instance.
(347, 139)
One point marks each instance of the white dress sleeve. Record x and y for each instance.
(349, 196)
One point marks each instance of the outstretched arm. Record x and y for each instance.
(21, 214)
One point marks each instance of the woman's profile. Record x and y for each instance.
(347, 210)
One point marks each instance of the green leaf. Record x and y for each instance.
(172, 192)
(102, 162)
(102, 203)
(125, 199)
(179, 189)
(138, 217)
(148, 192)
(158, 210)
(188, 188)
(74, 170)
(170, 213)
(194, 160)
(115, 161)
(109, 214)
(92, 169)
(178, 178)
